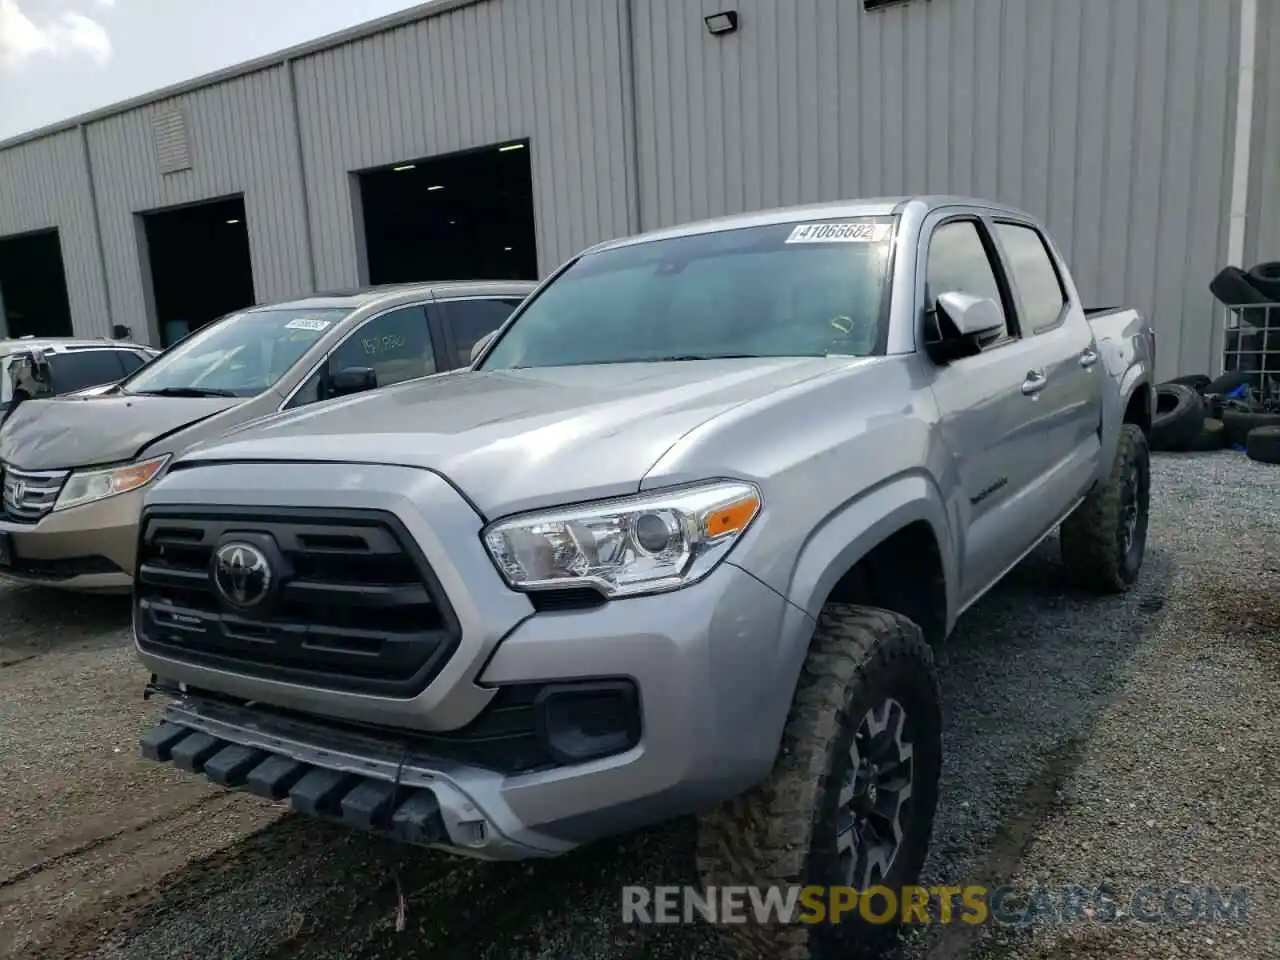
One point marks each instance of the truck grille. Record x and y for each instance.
(29, 495)
(339, 599)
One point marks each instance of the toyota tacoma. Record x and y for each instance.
(680, 541)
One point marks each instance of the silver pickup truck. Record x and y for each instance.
(679, 542)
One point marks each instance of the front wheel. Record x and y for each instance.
(851, 799)
(1105, 539)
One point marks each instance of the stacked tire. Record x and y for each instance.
(1258, 433)
(1180, 418)
(1191, 415)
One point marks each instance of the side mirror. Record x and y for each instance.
(963, 322)
(478, 347)
(352, 380)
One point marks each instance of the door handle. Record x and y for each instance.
(1088, 358)
(1035, 382)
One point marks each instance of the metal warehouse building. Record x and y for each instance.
(498, 137)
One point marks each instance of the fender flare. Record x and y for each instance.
(1134, 379)
(858, 526)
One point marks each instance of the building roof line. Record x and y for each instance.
(421, 11)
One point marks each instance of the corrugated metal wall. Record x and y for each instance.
(242, 140)
(43, 184)
(1107, 119)
(1111, 120)
(1262, 239)
(549, 70)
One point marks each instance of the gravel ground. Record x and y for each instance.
(1128, 740)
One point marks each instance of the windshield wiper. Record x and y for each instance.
(680, 357)
(184, 392)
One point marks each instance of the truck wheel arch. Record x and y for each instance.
(900, 525)
(1133, 402)
(1138, 407)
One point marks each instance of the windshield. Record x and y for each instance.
(785, 290)
(240, 355)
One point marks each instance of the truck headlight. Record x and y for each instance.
(649, 543)
(87, 486)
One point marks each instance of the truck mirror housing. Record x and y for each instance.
(961, 323)
(478, 347)
(351, 380)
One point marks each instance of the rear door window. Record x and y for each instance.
(1035, 280)
(466, 321)
(78, 369)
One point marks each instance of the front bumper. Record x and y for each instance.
(711, 708)
(87, 549)
(707, 662)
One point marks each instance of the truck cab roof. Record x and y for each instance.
(391, 293)
(922, 204)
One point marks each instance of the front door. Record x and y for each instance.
(989, 408)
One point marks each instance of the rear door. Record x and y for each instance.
(988, 419)
(1064, 348)
(466, 320)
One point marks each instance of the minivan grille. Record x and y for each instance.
(340, 599)
(29, 495)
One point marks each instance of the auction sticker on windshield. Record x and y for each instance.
(308, 323)
(839, 233)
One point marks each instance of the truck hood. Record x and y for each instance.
(520, 439)
(80, 432)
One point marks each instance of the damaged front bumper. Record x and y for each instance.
(363, 781)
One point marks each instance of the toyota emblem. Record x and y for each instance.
(241, 574)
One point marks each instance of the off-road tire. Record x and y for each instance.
(1092, 536)
(1179, 415)
(783, 832)
(1263, 445)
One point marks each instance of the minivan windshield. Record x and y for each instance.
(240, 355)
(782, 290)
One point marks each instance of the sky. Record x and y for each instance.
(59, 58)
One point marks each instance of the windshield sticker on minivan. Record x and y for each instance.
(839, 233)
(308, 323)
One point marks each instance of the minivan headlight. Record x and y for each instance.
(649, 543)
(88, 486)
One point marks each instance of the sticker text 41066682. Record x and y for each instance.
(839, 233)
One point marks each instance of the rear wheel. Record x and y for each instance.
(851, 799)
(1105, 539)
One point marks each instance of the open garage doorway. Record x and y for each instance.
(33, 286)
(465, 216)
(199, 262)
